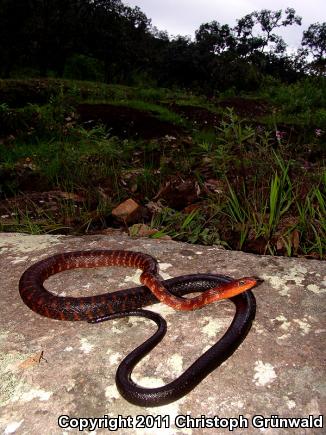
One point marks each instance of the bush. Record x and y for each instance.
(81, 67)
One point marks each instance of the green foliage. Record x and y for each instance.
(234, 131)
(158, 111)
(301, 104)
(268, 21)
(20, 93)
(23, 223)
(81, 67)
(5, 117)
(306, 95)
(222, 146)
(252, 185)
(96, 157)
(263, 215)
(315, 39)
(215, 38)
(193, 227)
(279, 202)
(312, 221)
(4, 108)
(115, 43)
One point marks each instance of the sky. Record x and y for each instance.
(183, 17)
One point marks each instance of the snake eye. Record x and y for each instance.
(241, 282)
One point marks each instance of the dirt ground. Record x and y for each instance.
(38, 198)
(126, 121)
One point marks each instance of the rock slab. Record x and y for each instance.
(51, 368)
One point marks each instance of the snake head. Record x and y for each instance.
(248, 282)
(237, 286)
(241, 285)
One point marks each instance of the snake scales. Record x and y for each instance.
(126, 303)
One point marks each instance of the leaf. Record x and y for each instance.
(32, 360)
(295, 239)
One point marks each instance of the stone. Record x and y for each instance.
(128, 211)
(50, 368)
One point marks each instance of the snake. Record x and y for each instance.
(123, 303)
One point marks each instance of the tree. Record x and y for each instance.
(315, 39)
(314, 44)
(268, 21)
(14, 35)
(108, 40)
(51, 31)
(215, 38)
(247, 42)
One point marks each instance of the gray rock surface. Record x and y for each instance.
(50, 368)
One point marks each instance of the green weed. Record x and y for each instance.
(268, 187)
(234, 131)
(193, 227)
(312, 222)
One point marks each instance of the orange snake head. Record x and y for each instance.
(230, 289)
(237, 286)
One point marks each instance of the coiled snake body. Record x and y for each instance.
(126, 303)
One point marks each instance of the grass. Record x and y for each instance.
(158, 111)
(273, 216)
(258, 185)
(301, 104)
(193, 227)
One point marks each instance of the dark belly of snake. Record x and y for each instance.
(125, 303)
